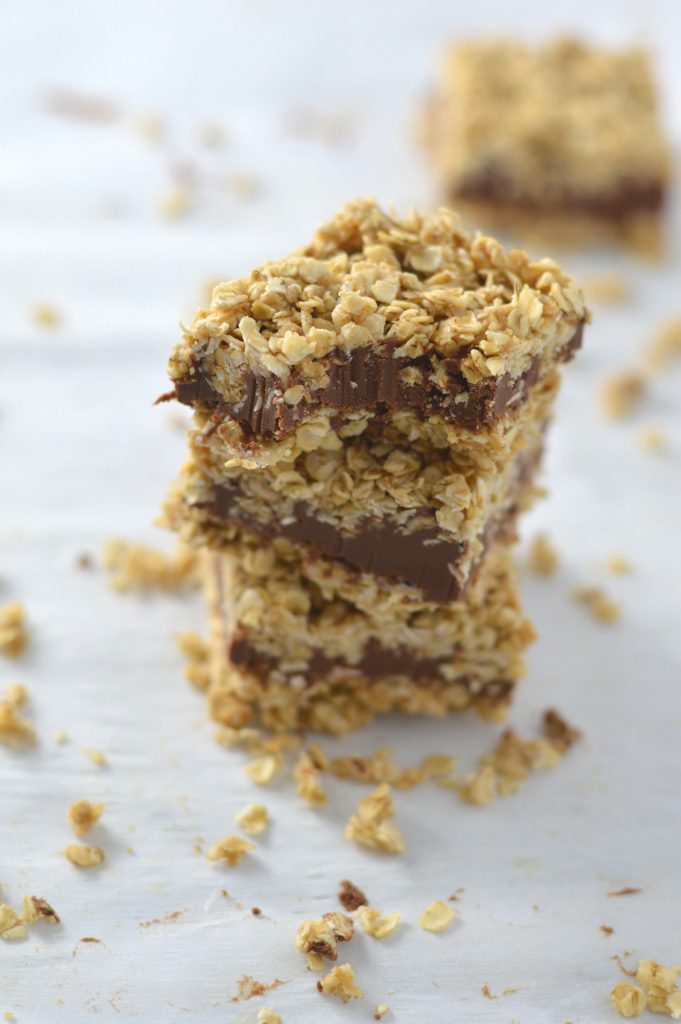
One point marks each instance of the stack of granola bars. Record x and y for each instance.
(369, 419)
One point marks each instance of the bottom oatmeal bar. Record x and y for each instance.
(303, 642)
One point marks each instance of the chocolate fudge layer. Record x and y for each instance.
(563, 131)
(304, 643)
(378, 315)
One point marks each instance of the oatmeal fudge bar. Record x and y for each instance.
(408, 511)
(562, 141)
(377, 317)
(303, 642)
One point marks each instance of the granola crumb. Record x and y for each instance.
(140, 567)
(96, 756)
(15, 694)
(267, 1016)
(85, 560)
(373, 824)
(244, 185)
(8, 1015)
(44, 315)
(621, 393)
(665, 345)
(60, 737)
(151, 127)
(618, 564)
(197, 655)
(543, 557)
(84, 856)
(652, 439)
(607, 930)
(83, 815)
(320, 937)
(12, 927)
(659, 982)
(175, 203)
(38, 909)
(13, 631)
(381, 1011)
(479, 787)
(598, 604)
(559, 731)
(340, 982)
(607, 288)
(376, 924)
(437, 917)
(351, 897)
(308, 780)
(263, 769)
(629, 1000)
(487, 994)
(231, 849)
(628, 890)
(253, 819)
(14, 729)
(256, 911)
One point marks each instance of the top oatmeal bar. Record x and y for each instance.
(378, 315)
(562, 129)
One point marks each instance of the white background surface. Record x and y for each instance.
(84, 456)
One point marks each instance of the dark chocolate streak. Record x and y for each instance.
(376, 661)
(416, 558)
(364, 379)
(490, 184)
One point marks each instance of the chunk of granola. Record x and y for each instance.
(13, 629)
(37, 909)
(543, 557)
(267, 1016)
(139, 567)
(84, 856)
(253, 819)
(14, 729)
(376, 924)
(308, 780)
(372, 825)
(340, 982)
(12, 927)
(321, 936)
(83, 815)
(437, 917)
(622, 393)
(263, 769)
(231, 849)
(629, 1000)
(350, 896)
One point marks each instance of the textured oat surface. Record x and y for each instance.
(104, 667)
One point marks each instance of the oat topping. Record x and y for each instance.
(543, 557)
(139, 567)
(351, 897)
(84, 856)
(598, 603)
(320, 937)
(381, 1011)
(418, 284)
(437, 917)
(622, 393)
(340, 982)
(253, 819)
(308, 780)
(232, 849)
(377, 924)
(373, 826)
(13, 631)
(197, 654)
(83, 815)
